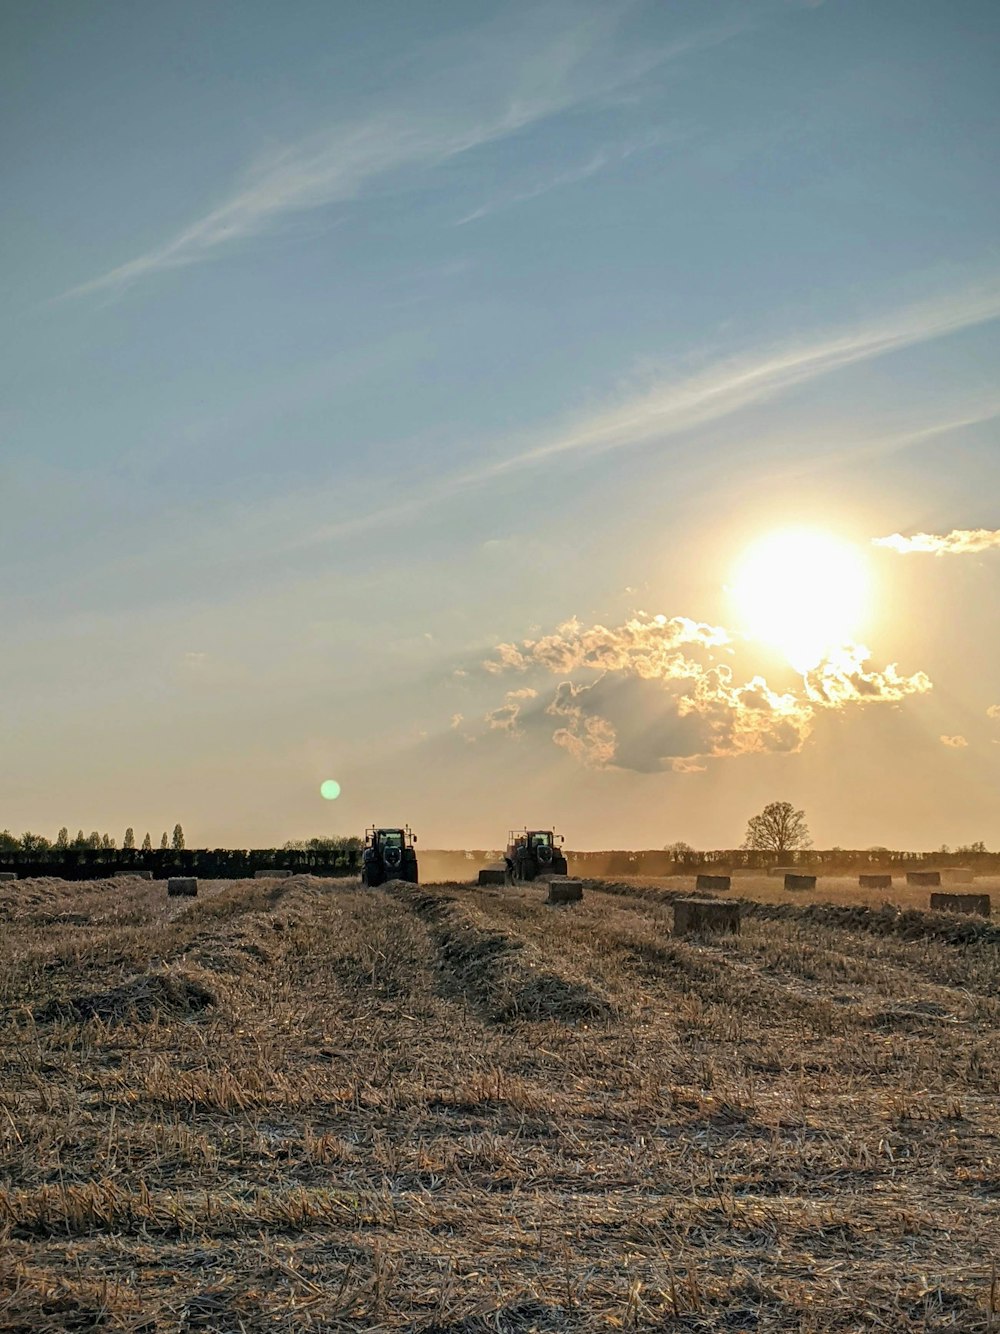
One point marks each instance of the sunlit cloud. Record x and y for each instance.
(589, 738)
(505, 718)
(649, 647)
(653, 694)
(960, 542)
(993, 711)
(844, 679)
(954, 742)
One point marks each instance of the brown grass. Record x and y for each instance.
(296, 1105)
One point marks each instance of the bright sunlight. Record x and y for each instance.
(802, 591)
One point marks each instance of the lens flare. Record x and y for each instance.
(804, 592)
(329, 789)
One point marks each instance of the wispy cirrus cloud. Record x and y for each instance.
(494, 82)
(678, 405)
(597, 162)
(960, 542)
(732, 386)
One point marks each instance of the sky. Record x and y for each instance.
(562, 413)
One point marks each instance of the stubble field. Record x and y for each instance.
(298, 1105)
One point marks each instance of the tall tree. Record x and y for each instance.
(107, 841)
(9, 842)
(93, 839)
(129, 840)
(778, 828)
(177, 842)
(34, 842)
(62, 838)
(81, 839)
(147, 844)
(164, 841)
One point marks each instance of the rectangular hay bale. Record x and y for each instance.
(6, 876)
(490, 875)
(956, 875)
(715, 915)
(923, 877)
(717, 882)
(875, 881)
(277, 874)
(563, 890)
(969, 903)
(795, 881)
(182, 885)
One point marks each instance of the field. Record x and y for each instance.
(297, 1105)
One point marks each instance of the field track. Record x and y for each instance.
(299, 1105)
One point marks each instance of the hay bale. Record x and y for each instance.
(875, 881)
(564, 890)
(923, 877)
(715, 915)
(956, 875)
(794, 880)
(490, 875)
(969, 903)
(272, 875)
(717, 882)
(6, 876)
(186, 885)
(781, 870)
(142, 875)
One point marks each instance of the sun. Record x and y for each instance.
(802, 591)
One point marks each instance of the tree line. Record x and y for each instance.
(29, 842)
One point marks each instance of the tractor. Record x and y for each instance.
(389, 854)
(534, 852)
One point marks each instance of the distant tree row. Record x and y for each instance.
(340, 843)
(29, 842)
(780, 828)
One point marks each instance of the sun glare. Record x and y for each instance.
(803, 592)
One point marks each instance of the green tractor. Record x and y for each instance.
(535, 852)
(389, 854)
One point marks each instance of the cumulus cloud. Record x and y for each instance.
(843, 679)
(993, 711)
(653, 694)
(960, 542)
(589, 738)
(954, 742)
(747, 718)
(648, 646)
(505, 718)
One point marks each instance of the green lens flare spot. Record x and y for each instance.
(329, 789)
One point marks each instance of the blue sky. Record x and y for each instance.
(343, 343)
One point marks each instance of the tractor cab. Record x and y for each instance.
(389, 854)
(535, 851)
